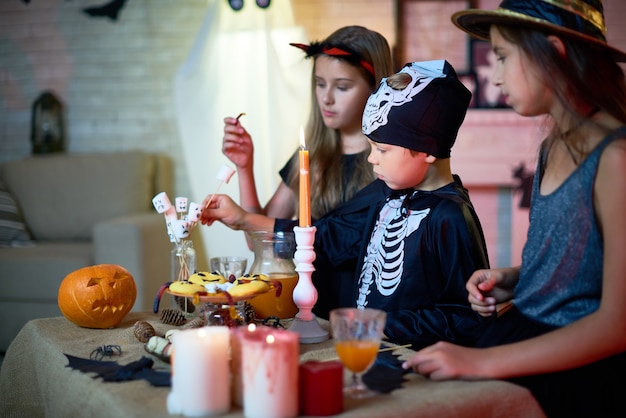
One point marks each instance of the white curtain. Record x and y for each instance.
(241, 62)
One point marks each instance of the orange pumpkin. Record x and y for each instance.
(97, 296)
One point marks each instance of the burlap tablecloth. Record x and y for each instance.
(35, 382)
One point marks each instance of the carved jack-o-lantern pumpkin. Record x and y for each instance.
(98, 296)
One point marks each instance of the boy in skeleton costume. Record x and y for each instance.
(408, 242)
(421, 240)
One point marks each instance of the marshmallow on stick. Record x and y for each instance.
(225, 173)
(224, 176)
(194, 212)
(193, 216)
(163, 205)
(161, 202)
(181, 204)
(177, 228)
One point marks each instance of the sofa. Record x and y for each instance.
(61, 212)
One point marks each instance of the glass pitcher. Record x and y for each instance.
(273, 256)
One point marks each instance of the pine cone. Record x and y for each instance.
(196, 322)
(185, 304)
(173, 317)
(249, 313)
(143, 331)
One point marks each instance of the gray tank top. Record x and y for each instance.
(561, 274)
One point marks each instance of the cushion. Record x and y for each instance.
(35, 272)
(13, 230)
(62, 196)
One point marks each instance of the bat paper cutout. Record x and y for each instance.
(111, 371)
(386, 374)
(111, 9)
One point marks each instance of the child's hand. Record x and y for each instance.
(443, 361)
(487, 288)
(237, 144)
(223, 209)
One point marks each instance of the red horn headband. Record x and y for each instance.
(333, 51)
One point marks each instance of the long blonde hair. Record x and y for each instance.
(328, 186)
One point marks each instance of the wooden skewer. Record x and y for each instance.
(220, 184)
(212, 196)
(391, 348)
(396, 347)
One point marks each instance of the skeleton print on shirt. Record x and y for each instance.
(384, 260)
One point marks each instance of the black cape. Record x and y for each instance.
(430, 304)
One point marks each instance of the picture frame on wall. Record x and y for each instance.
(483, 64)
(469, 80)
(424, 32)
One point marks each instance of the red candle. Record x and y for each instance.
(321, 388)
(305, 184)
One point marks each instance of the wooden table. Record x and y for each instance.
(35, 382)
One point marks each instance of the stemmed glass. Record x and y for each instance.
(357, 334)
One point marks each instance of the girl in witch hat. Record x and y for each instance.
(558, 320)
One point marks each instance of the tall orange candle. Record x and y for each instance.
(305, 184)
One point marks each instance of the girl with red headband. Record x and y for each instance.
(348, 65)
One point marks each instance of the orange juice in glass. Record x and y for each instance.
(357, 334)
(357, 356)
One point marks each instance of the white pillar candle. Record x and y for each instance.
(270, 361)
(200, 372)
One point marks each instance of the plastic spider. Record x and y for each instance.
(105, 350)
(276, 322)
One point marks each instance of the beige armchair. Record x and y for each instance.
(80, 210)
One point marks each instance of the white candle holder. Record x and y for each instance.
(305, 294)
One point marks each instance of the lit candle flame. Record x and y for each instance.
(251, 327)
(270, 339)
(302, 143)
